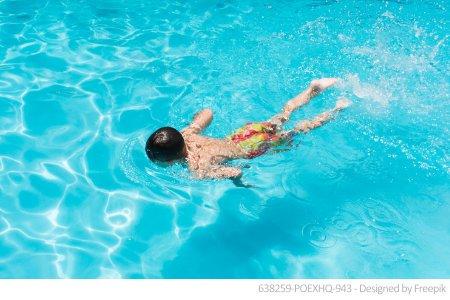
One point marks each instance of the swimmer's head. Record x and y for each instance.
(165, 144)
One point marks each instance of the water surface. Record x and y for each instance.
(83, 84)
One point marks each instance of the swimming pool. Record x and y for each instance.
(83, 84)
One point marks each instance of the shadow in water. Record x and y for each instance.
(233, 245)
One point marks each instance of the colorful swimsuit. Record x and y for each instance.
(256, 138)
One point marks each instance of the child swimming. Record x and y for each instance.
(205, 155)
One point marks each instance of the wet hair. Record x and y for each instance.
(165, 144)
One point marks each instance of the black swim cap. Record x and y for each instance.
(165, 144)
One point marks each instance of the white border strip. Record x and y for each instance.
(210, 289)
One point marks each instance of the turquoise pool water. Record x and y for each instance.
(83, 84)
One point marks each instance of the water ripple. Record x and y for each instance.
(318, 236)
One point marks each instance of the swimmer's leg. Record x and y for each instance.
(315, 88)
(319, 120)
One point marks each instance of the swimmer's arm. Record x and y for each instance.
(219, 172)
(201, 120)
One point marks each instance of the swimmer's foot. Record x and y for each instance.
(315, 87)
(324, 117)
(318, 85)
(342, 103)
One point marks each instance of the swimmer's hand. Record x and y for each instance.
(201, 120)
(219, 172)
(222, 172)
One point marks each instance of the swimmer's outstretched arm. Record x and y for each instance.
(219, 172)
(201, 120)
(319, 120)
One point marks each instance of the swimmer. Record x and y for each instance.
(206, 156)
